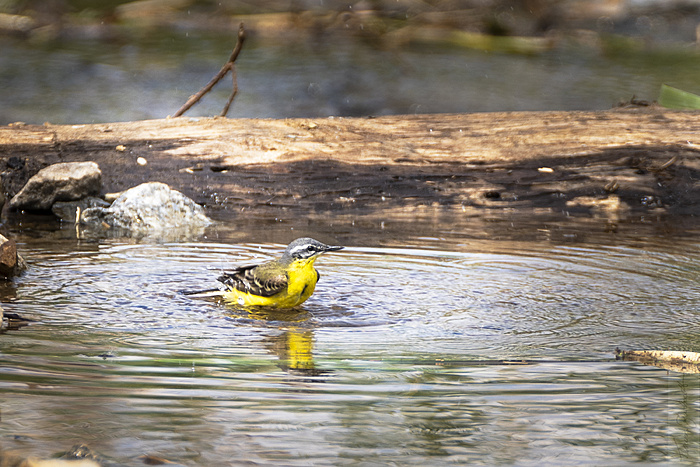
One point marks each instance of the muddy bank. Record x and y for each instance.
(625, 163)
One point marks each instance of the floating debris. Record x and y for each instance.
(675, 360)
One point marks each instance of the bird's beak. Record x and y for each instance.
(333, 248)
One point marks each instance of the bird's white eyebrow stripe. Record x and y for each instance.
(298, 248)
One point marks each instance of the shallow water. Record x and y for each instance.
(396, 359)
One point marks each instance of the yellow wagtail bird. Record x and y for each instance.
(281, 283)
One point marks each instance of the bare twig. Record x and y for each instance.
(233, 92)
(228, 66)
(668, 163)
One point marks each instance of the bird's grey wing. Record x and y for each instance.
(256, 280)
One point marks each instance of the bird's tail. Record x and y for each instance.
(202, 293)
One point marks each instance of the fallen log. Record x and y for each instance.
(639, 160)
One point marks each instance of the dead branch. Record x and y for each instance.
(228, 66)
(233, 92)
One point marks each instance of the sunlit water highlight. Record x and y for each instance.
(388, 362)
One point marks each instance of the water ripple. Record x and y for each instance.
(389, 359)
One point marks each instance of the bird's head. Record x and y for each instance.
(304, 249)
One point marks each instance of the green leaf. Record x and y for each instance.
(673, 98)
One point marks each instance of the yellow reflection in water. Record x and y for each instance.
(294, 346)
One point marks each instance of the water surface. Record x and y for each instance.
(409, 354)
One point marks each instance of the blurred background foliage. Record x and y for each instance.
(383, 21)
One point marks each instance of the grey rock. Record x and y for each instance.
(148, 208)
(66, 181)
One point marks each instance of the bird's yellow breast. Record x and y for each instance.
(302, 278)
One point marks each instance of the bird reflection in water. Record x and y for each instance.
(294, 345)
